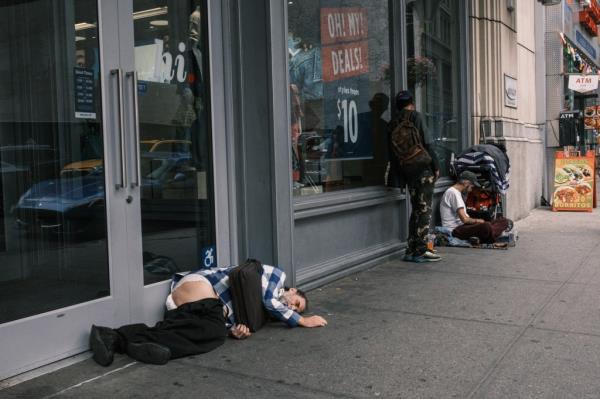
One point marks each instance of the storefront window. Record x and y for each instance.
(433, 71)
(340, 84)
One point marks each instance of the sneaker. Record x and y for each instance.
(431, 255)
(424, 259)
(149, 352)
(474, 241)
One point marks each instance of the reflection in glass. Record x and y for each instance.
(53, 248)
(340, 80)
(433, 70)
(171, 62)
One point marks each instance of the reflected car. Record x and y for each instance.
(162, 174)
(82, 168)
(69, 204)
(75, 202)
(172, 146)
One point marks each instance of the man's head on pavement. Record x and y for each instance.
(295, 299)
(404, 99)
(468, 180)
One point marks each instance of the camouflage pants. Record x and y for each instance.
(421, 195)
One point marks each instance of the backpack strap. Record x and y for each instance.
(411, 117)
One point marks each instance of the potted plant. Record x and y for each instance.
(420, 69)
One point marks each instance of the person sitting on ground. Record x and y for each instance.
(453, 212)
(199, 313)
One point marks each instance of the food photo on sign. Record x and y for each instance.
(591, 117)
(573, 183)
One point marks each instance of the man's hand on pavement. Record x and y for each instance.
(312, 321)
(240, 331)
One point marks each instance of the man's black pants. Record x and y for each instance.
(192, 328)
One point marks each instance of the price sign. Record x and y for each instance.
(348, 115)
(345, 55)
(347, 118)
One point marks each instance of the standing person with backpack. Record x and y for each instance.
(413, 163)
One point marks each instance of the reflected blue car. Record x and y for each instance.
(67, 204)
(75, 202)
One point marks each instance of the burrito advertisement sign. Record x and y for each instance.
(591, 117)
(573, 183)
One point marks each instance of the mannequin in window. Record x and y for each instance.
(305, 70)
(195, 43)
(195, 79)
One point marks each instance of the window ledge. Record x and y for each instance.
(321, 204)
(327, 203)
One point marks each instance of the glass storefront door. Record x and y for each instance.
(174, 137)
(163, 51)
(105, 167)
(58, 273)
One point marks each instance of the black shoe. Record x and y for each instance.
(149, 352)
(104, 342)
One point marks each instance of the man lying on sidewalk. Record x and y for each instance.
(199, 313)
(454, 214)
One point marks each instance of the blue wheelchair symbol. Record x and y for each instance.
(209, 257)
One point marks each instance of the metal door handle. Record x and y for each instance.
(119, 74)
(136, 127)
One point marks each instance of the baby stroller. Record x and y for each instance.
(491, 165)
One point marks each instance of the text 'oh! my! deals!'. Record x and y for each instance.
(344, 37)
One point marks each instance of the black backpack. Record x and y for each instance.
(246, 294)
(407, 147)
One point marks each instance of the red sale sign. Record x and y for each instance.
(339, 25)
(344, 61)
(344, 34)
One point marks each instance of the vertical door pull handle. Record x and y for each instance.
(119, 74)
(136, 126)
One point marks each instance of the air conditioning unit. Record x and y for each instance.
(549, 2)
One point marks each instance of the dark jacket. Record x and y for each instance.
(394, 177)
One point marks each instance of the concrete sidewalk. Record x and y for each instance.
(522, 323)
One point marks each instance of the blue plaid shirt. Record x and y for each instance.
(272, 281)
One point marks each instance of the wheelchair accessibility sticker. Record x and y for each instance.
(209, 256)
